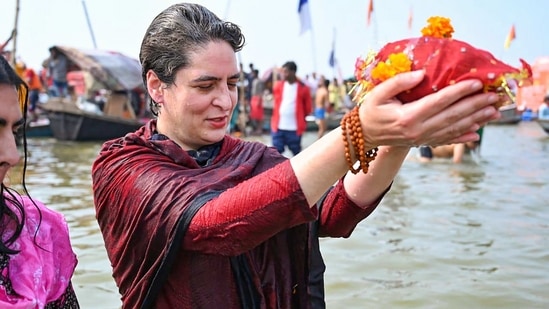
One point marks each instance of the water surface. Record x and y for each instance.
(473, 235)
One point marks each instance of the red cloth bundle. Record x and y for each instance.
(445, 61)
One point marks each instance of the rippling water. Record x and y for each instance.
(446, 236)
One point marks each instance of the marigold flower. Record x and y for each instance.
(438, 27)
(397, 63)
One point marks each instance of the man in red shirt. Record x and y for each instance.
(292, 103)
(35, 86)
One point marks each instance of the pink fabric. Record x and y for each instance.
(39, 276)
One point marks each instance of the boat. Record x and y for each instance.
(509, 115)
(106, 97)
(70, 123)
(39, 128)
(544, 123)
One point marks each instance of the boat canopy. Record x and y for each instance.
(116, 71)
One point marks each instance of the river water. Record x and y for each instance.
(471, 235)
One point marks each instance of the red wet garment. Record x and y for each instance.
(253, 207)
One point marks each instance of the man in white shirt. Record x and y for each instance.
(292, 103)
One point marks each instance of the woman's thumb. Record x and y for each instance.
(396, 84)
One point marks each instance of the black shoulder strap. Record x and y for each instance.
(167, 262)
(249, 298)
(316, 262)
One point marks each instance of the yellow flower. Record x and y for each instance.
(370, 72)
(438, 27)
(397, 63)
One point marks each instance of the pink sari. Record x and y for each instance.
(43, 269)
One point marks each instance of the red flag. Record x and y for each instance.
(370, 11)
(511, 36)
(410, 19)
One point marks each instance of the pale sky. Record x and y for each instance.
(271, 27)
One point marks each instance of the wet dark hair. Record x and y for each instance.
(9, 77)
(290, 65)
(178, 31)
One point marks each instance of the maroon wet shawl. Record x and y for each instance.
(248, 203)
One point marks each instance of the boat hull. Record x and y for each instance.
(40, 128)
(81, 126)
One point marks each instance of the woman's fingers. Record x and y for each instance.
(395, 85)
(441, 101)
(450, 115)
(463, 117)
(381, 112)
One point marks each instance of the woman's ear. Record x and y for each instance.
(154, 87)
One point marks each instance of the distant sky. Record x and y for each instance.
(272, 27)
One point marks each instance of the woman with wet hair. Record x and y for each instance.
(195, 218)
(36, 258)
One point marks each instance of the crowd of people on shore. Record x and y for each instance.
(256, 95)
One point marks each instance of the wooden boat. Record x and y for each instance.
(117, 78)
(544, 123)
(68, 122)
(39, 128)
(509, 115)
(35, 129)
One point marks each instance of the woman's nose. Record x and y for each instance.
(225, 98)
(8, 151)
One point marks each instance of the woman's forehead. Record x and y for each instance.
(214, 58)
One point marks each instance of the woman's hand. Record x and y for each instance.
(451, 115)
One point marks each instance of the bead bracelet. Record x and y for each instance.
(352, 131)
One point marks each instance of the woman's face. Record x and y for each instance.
(196, 110)
(11, 120)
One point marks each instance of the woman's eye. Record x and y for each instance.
(205, 87)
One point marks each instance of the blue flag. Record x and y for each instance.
(304, 16)
(332, 60)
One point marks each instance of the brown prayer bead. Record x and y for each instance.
(352, 131)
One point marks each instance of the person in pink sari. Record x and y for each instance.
(36, 258)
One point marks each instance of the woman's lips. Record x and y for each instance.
(218, 122)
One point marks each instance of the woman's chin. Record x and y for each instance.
(216, 136)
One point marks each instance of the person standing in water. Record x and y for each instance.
(195, 218)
